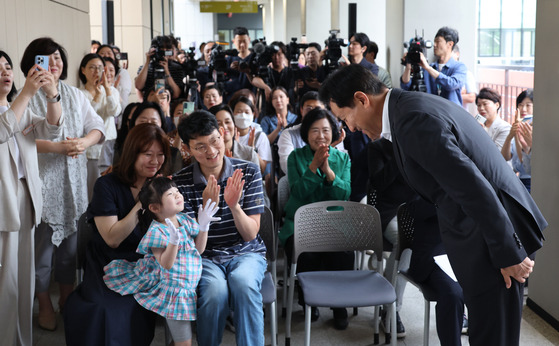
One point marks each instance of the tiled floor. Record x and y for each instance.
(534, 331)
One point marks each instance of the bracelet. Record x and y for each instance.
(167, 76)
(54, 99)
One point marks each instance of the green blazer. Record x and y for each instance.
(307, 187)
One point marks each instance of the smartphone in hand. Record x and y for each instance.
(43, 61)
(187, 107)
(480, 119)
(159, 83)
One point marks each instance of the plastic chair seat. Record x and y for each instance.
(339, 289)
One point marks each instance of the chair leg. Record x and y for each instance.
(273, 323)
(285, 287)
(426, 320)
(290, 304)
(376, 323)
(394, 331)
(307, 325)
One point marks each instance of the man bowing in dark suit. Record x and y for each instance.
(489, 223)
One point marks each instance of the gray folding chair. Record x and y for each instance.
(268, 290)
(405, 241)
(339, 226)
(283, 197)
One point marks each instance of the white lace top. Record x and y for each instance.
(65, 178)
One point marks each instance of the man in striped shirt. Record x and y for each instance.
(234, 261)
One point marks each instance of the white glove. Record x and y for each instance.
(174, 234)
(205, 215)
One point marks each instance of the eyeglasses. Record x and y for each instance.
(96, 68)
(214, 142)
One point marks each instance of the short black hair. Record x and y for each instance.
(95, 42)
(152, 193)
(199, 123)
(372, 48)
(280, 45)
(489, 94)
(312, 117)
(220, 107)
(449, 34)
(43, 46)
(87, 58)
(341, 85)
(315, 45)
(528, 93)
(13, 91)
(164, 42)
(245, 100)
(362, 38)
(240, 30)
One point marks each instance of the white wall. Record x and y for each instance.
(545, 165)
(191, 25)
(65, 21)
(430, 15)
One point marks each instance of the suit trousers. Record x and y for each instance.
(17, 275)
(494, 316)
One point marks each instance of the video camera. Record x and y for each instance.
(334, 51)
(160, 53)
(293, 52)
(416, 46)
(218, 61)
(258, 63)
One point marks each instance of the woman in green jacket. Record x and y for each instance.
(317, 172)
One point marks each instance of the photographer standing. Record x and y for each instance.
(160, 65)
(358, 44)
(446, 77)
(314, 73)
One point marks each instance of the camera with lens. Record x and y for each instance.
(258, 62)
(416, 46)
(334, 51)
(160, 52)
(218, 61)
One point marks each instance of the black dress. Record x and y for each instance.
(93, 314)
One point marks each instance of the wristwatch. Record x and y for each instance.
(54, 99)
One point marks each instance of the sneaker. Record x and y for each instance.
(400, 329)
(465, 325)
(340, 318)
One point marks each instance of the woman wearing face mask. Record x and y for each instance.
(243, 115)
(106, 102)
(63, 170)
(233, 148)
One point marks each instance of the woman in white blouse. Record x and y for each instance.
(105, 100)
(63, 170)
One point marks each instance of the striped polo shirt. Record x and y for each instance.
(224, 241)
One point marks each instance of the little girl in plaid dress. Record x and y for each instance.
(165, 280)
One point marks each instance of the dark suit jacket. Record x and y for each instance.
(487, 218)
(384, 176)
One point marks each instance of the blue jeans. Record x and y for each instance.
(234, 285)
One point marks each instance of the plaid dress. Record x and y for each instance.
(169, 293)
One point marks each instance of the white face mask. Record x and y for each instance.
(243, 120)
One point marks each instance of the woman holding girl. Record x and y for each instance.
(94, 314)
(63, 171)
(165, 279)
(21, 194)
(105, 101)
